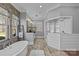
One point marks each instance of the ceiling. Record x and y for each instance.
(34, 10)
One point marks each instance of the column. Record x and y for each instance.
(54, 26)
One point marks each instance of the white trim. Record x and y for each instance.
(58, 17)
(59, 5)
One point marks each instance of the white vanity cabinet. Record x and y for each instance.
(64, 21)
(30, 38)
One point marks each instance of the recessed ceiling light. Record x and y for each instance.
(41, 6)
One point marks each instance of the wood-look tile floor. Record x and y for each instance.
(40, 44)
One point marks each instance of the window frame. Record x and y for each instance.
(6, 15)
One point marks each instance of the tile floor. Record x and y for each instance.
(40, 44)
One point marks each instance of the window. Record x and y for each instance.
(31, 26)
(14, 24)
(3, 20)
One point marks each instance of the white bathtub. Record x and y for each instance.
(16, 49)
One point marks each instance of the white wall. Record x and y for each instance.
(54, 13)
(72, 11)
(65, 25)
(68, 26)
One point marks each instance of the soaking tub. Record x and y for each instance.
(16, 49)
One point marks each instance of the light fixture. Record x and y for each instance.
(41, 6)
